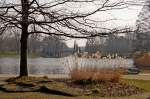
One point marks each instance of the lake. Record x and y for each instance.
(39, 66)
(46, 66)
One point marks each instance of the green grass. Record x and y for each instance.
(144, 84)
(8, 54)
(14, 54)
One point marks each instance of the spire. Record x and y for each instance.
(76, 47)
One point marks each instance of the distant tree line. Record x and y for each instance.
(53, 46)
(47, 46)
(113, 44)
(143, 28)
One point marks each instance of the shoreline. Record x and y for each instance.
(53, 76)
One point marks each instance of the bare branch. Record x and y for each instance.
(49, 18)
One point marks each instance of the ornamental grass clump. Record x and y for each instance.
(94, 75)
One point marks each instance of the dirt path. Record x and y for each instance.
(139, 76)
(36, 95)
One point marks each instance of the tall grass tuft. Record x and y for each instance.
(96, 75)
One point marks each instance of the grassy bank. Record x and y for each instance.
(15, 54)
(9, 54)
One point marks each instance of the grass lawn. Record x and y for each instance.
(144, 84)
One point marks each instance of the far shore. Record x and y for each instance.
(16, 55)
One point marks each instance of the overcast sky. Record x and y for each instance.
(125, 17)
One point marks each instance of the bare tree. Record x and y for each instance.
(92, 45)
(16, 34)
(143, 28)
(9, 42)
(53, 46)
(34, 43)
(69, 18)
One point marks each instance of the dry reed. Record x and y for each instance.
(112, 75)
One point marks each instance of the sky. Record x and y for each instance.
(124, 17)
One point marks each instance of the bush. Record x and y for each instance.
(142, 60)
(90, 75)
(85, 81)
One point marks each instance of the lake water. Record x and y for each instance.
(46, 66)
(35, 66)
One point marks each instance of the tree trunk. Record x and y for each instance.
(24, 38)
(23, 54)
